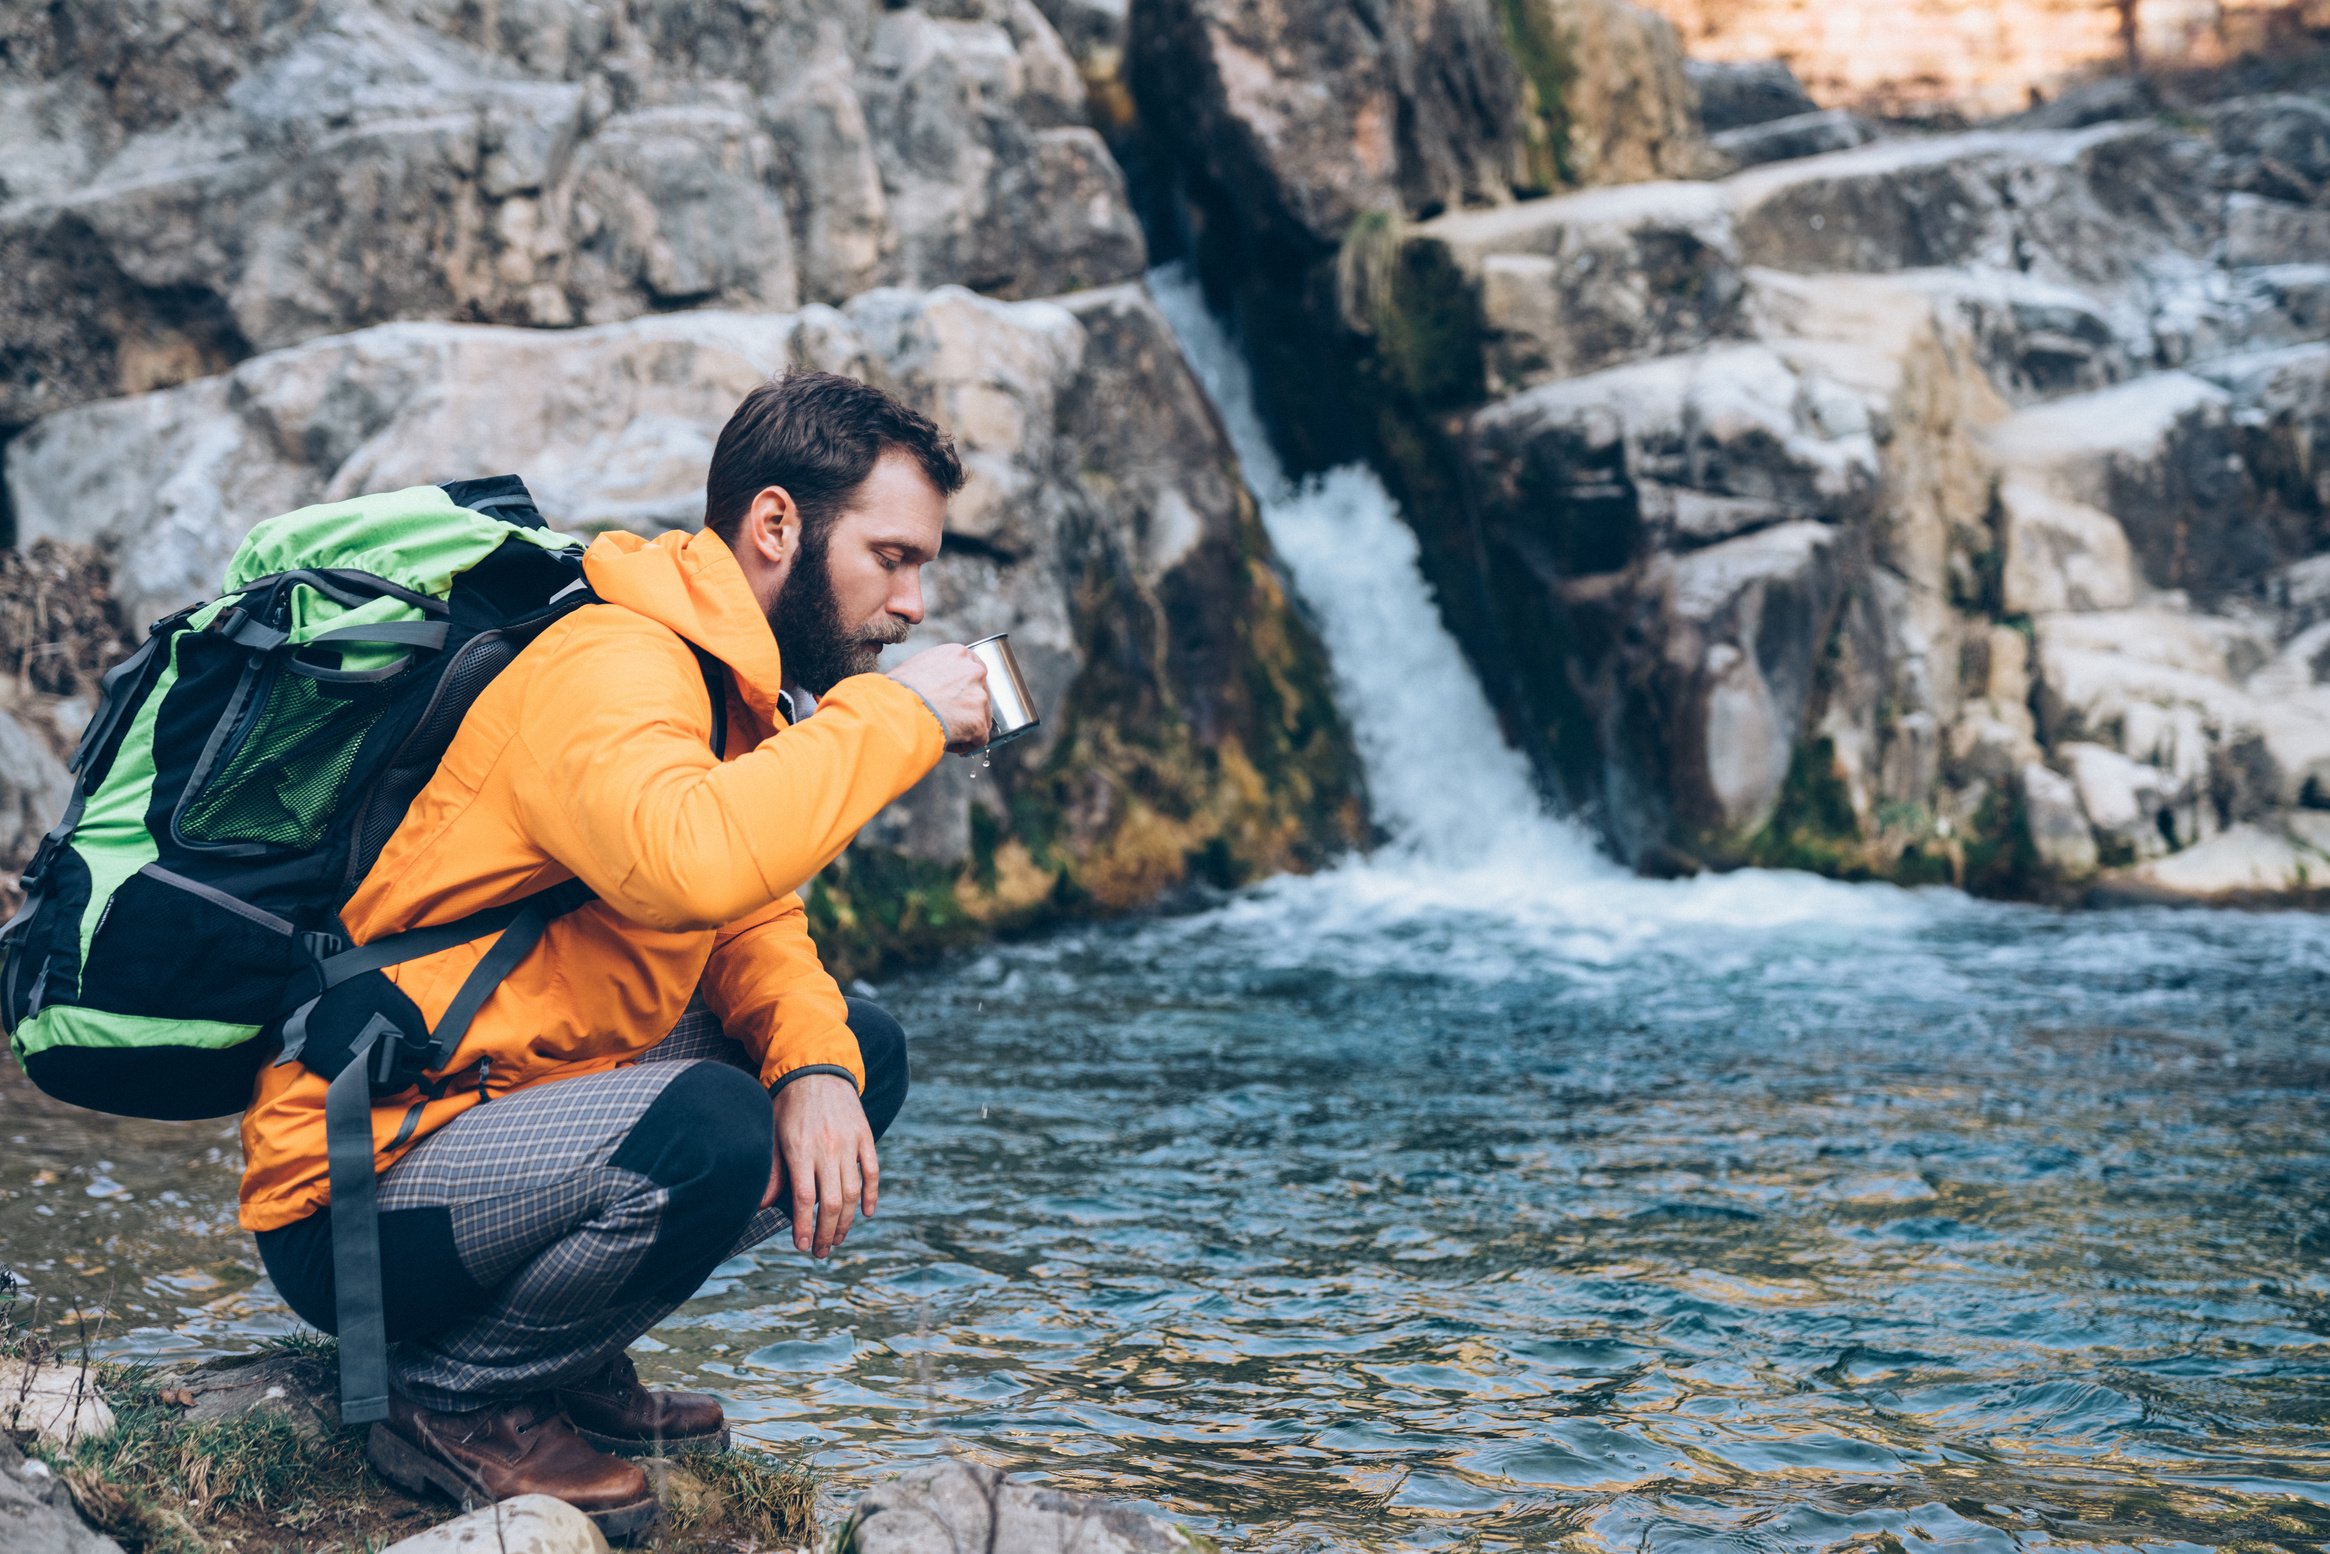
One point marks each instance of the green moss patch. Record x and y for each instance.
(1547, 64)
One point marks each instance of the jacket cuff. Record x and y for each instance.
(923, 726)
(806, 1069)
(836, 1053)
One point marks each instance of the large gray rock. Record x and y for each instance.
(36, 1512)
(1735, 94)
(1119, 549)
(302, 171)
(958, 1507)
(34, 787)
(523, 1524)
(1305, 114)
(2085, 253)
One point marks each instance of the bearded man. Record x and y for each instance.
(670, 1073)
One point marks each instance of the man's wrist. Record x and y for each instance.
(805, 1070)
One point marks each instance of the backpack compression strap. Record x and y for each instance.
(380, 1058)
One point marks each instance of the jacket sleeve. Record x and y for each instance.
(617, 781)
(772, 993)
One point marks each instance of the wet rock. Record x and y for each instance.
(1121, 552)
(2058, 827)
(36, 1512)
(1734, 94)
(526, 1524)
(1951, 349)
(1745, 625)
(2162, 456)
(354, 164)
(956, 1506)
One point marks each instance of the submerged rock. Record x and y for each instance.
(956, 1506)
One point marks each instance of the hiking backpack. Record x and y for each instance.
(239, 777)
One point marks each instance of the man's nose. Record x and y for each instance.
(905, 599)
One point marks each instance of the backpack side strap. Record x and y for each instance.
(384, 1055)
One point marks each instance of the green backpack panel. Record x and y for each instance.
(242, 771)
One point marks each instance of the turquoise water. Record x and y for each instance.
(1761, 1212)
(1959, 1225)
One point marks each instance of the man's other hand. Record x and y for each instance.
(826, 1152)
(953, 681)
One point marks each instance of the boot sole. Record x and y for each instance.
(417, 1473)
(655, 1446)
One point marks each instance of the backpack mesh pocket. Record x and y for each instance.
(281, 785)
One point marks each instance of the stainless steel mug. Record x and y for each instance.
(1011, 711)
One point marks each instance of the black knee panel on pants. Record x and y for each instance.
(423, 1283)
(707, 1141)
(882, 1049)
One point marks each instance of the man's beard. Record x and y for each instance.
(819, 648)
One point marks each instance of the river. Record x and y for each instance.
(1476, 1195)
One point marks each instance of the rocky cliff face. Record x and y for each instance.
(1278, 130)
(258, 257)
(1946, 507)
(190, 184)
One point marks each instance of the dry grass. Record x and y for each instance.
(158, 1483)
(756, 1503)
(58, 629)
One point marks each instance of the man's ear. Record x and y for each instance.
(772, 528)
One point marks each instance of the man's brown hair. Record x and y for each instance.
(818, 435)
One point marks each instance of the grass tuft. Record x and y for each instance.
(755, 1502)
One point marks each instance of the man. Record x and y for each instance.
(670, 1071)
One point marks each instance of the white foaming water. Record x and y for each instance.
(1468, 833)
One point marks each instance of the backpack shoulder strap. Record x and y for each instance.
(716, 685)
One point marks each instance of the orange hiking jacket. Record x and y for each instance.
(591, 755)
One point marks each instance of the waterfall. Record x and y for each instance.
(1468, 831)
(1447, 788)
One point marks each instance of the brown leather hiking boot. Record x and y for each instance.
(522, 1448)
(613, 1412)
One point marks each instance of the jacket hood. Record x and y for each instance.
(692, 584)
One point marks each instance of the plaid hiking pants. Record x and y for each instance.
(527, 1242)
